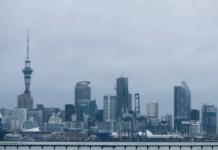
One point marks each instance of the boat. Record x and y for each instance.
(152, 136)
(12, 137)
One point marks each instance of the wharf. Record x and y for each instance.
(112, 145)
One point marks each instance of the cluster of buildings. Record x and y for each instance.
(186, 120)
(116, 116)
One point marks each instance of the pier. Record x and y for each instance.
(112, 145)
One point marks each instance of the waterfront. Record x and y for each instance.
(107, 145)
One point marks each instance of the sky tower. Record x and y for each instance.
(27, 71)
(25, 100)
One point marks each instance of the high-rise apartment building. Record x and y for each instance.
(122, 96)
(25, 100)
(182, 105)
(69, 110)
(209, 118)
(152, 109)
(82, 91)
(109, 108)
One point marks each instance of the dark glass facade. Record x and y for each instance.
(69, 110)
(195, 114)
(182, 105)
(209, 118)
(122, 96)
(82, 91)
(48, 112)
(86, 107)
(99, 115)
(0, 123)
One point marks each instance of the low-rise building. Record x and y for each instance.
(36, 114)
(108, 126)
(29, 125)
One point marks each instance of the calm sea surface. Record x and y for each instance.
(111, 143)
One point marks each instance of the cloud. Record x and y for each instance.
(155, 44)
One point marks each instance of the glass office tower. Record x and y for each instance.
(122, 95)
(82, 91)
(195, 114)
(209, 118)
(69, 110)
(86, 107)
(182, 105)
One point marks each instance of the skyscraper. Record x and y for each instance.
(25, 100)
(99, 115)
(209, 118)
(69, 110)
(195, 114)
(182, 105)
(109, 108)
(82, 91)
(86, 107)
(122, 100)
(152, 109)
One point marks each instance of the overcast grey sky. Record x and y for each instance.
(157, 44)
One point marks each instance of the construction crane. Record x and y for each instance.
(121, 103)
(132, 123)
(12, 104)
(139, 120)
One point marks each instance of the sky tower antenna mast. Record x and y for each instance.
(27, 43)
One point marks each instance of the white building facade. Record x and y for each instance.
(109, 108)
(152, 109)
(55, 118)
(19, 115)
(15, 124)
(29, 124)
(196, 128)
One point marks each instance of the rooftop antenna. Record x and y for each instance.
(27, 43)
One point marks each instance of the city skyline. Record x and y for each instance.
(155, 57)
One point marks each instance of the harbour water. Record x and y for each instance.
(119, 145)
